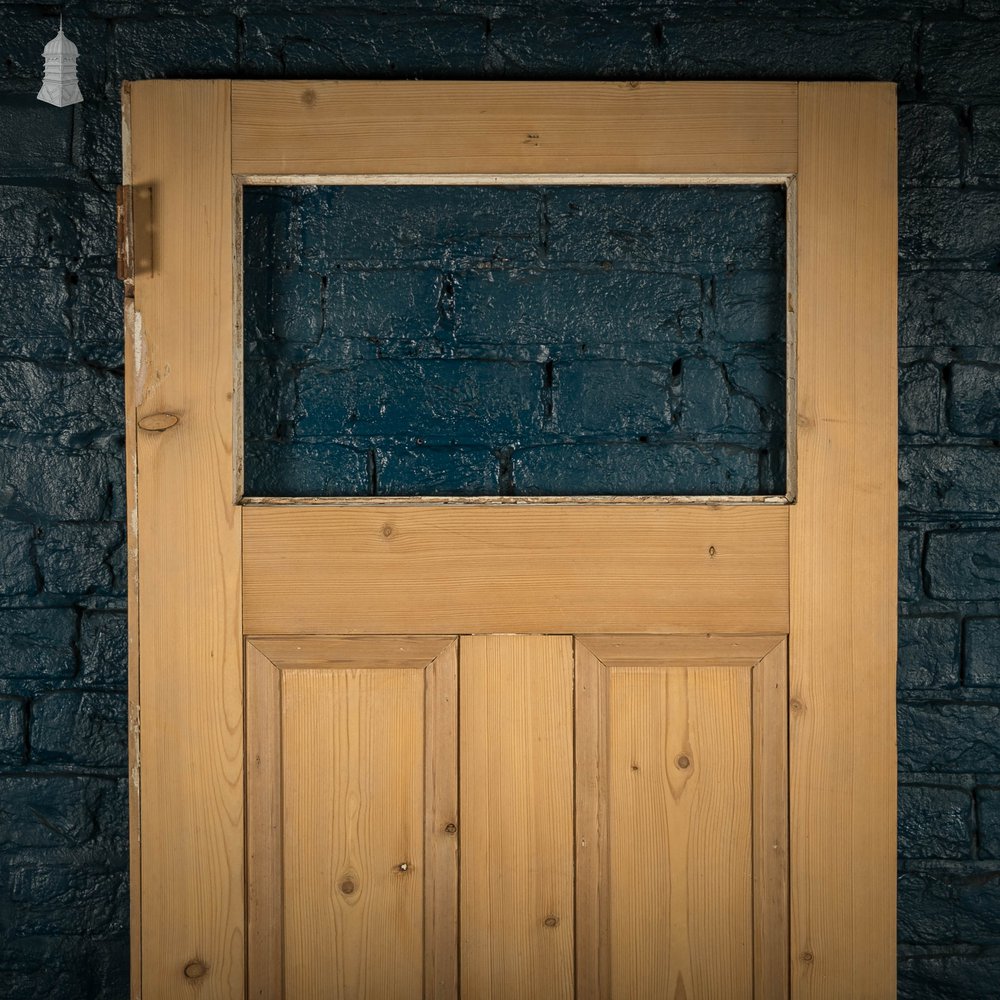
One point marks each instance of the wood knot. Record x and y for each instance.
(195, 969)
(158, 422)
(551, 921)
(347, 887)
(309, 97)
(711, 551)
(683, 762)
(387, 530)
(806, 956)
(795, 705)
(451, 829)
(403, 867)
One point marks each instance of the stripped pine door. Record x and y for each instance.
(605, 748)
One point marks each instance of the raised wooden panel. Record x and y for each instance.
(843, 551)
(403, 127)
(681, 817)
(352, 865)
(516, 766)
(515, 569)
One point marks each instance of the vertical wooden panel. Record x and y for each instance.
(441, 833)
(843, 549)
(770, 824)
(265, 911)
(679, 822)
(516, 765)
(591, 785)
(190, 671)
(353, 810)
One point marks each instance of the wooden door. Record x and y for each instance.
(599, 748)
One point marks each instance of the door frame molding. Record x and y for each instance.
(187, 143)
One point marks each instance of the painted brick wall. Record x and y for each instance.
(63, 915)
(514, 340)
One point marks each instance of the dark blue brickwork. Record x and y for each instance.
(62, 674)
(516, 340)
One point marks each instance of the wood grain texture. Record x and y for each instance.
(339, 651)
(680, 833)
(405, 127)
(711, 650)
(441, 836)
(190, 666)
(516, 766)
(843, 549)
(461, 570)
(770, 824)
(593, 901)
(353, 808)
(264, 849)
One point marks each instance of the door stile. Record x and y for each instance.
(188, 552)
(843, 549)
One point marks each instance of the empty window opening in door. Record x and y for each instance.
(514, 340)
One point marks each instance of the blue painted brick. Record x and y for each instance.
(630, 467)
(283, 312)
(615, 43)
(949, 224)
(98, 148)
(174, 46)
(974, 400)
(928, 652)
(955, 977)
(48, 399)
(96, 310)
(988, 816)
(77, 559)
(819, 47)
(960, 904)
(920, 396)
(964, 565)
(666, 227)
(440, 401)
(910, 561)
(104, 649)
(79, 727)
(12, 730)
(41, 480)
(17, 572)
(37, 642)
(381, 313)
(35, 322)
(363, 44)
(934, 822)
(949, 307)
(91, 901)
(930, 140)
(948, 738)
(981, 652)
(748, 306)
(960, 58)
(405, 469)
(945, 478)
(986, 142)
(61, 810)
(420, 225)
(38, 138)
(309, 470)
(70, 967)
